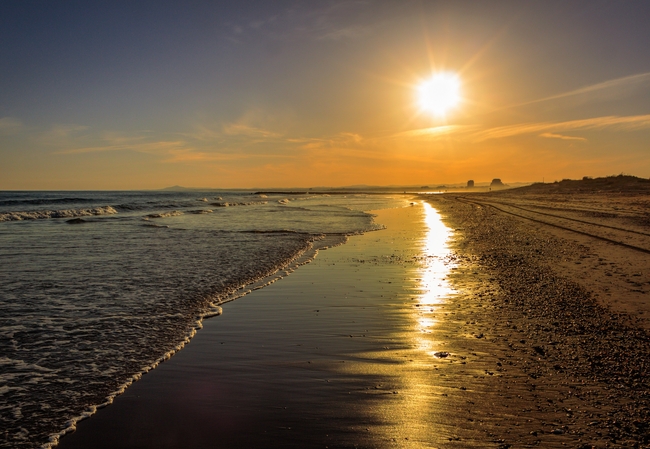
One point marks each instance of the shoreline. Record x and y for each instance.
(326, 357)
(501, 361)
(215, 308)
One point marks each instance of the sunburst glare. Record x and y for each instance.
(440, 93)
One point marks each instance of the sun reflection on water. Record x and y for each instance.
(412, 414)
(433, 280)
(421, 414)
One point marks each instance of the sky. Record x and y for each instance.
(150, 94)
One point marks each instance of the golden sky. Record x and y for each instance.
(299, 94)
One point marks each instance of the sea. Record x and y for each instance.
(99, 287)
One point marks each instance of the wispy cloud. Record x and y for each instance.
(349, 32)
(10, 125)
(249, 130)
(240, 129)
(140, 147)
(344, 140)
(189, 155)
(66, 130)
(61, 135)
(628, 123)
(220, 142)
(435, 132)
(192, 155)
(562, 137)
(624, 83)
(325, 22)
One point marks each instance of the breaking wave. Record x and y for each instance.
(174, 213)
(64, 213)
(247, 203)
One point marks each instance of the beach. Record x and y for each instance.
(90, 303)
(334, 224)
(497, 346)
(570, 307)
(361, 348)
(321, 358)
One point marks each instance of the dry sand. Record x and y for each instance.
(357, 350)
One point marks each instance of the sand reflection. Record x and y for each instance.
(416, 417)
(434, 286)
(405, 360)
(436, 251)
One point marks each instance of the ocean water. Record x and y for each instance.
(97, 288)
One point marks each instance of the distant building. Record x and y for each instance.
(496, 182)
(470, 183)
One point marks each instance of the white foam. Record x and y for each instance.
(247, 203)
(64, 213)
(274, 264)
(301, 258)
(173, 213)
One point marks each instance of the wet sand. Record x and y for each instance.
(311, 361)
(374, 344)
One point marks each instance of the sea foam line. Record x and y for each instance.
(64, 213)
(307, 255)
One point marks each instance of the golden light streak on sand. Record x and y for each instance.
(410, 407)
(433, 284)
(418, 402)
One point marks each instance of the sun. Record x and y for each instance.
(440, 93)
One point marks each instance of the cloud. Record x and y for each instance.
(62, 135)
(560, 136)
(66, 130)
(435, 132)
(240, 129)
(225, 142)
(10, 125)
(191, 155)
(350, 32)
(624, 83)
(203, 133)
(241, 133)
(344, 140)
(325, 21)
(628, 123)
(188, 155)
(140, 147)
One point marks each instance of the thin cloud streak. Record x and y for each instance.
(611, 84)
(237, 129)
(148, 147)
(629, 123)
(190, 155)
(562, 137)
(436, 131)
(319, 24)
(10, 123)
(351, 32)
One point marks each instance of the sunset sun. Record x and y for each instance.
(440, 93)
